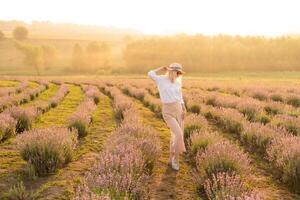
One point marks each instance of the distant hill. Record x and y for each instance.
(62, 37)
(49, 30)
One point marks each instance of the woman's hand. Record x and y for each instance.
(161, 69)
(164, 68)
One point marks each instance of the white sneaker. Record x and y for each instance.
(175, 165)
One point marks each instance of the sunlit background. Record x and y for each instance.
(268, 17)
(133, 36)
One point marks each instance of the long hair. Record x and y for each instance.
(173, 76)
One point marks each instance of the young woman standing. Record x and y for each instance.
(173, 107)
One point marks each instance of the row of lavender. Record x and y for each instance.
(47, 149)
(279, 146)
(82, 117)
(150, 101)
(22, 95)
(5, 91)
(267, 91)
(221, 165)
(123, 168)
(250, 111)
(17, 119)
(253, 110)
(282, 93)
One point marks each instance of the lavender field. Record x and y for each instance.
(92, 138)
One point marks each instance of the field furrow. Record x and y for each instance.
(43, 96)
(59, 115)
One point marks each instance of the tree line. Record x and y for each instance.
(197, 53)
(96, 56)
(220, 53)
(39, 57)
(93, 58)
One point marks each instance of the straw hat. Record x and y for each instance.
(175, 67)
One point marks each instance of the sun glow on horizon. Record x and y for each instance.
(235, 17)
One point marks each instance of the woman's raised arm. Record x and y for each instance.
(152, 73)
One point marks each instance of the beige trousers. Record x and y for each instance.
(172, 114)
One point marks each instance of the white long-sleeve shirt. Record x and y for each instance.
(169, 92)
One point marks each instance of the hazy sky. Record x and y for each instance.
(269, 17)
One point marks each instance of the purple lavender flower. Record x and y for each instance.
(47, 149)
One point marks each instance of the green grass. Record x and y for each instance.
(32, 84)
(43, 96)
(53, 88)
(58, 116)
(8, 83)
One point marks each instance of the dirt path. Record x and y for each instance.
(61, 185)
(12, 166)
(167, 183)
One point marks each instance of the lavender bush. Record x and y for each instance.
(140, 136)
(274, 108)
(193, 122)
(284, 151)
(229, 119)
(201, 139)
(250, 109)
(153, 104)
(260, 94)
(221, 157)
(22, 87)
(47, 149)
(227, 186)
(257, 136)
(23, 116)
(293, 100)
(277, 97)
(120, 173)
(7, 126)
(82, 117)
(292, 124)
(120, 101)
(61, 93)
(92, 92)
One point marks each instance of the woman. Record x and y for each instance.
(173, 108)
